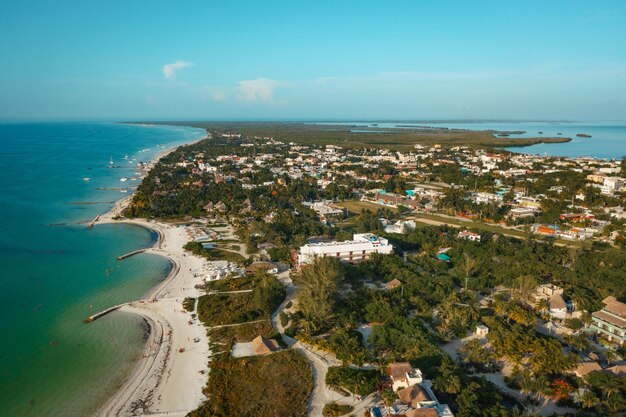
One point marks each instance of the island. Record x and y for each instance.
(337, 277)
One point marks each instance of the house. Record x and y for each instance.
(263, 346)
(415, 396)
(358, 249)
(610, 322)
(482, 330)
(208, 208)
(403, 375)
(466, 234)
(400, 227)
(557, 306)
(393, 284)
(422, 401)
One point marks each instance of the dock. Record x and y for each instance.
(116, 188)
(129, 254)
(96, 316)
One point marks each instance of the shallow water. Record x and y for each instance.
(53, 277)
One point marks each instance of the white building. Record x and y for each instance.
(466, 234)
(359, 248)
(400, 227)
(403, 375)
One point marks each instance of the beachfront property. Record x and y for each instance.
(358, 249)
(610, 322)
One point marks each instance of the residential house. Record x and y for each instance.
(610, 322)
(403, 375)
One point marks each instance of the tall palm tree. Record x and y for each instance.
(469, 265)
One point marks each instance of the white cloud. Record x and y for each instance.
(169, 70)
(261, 89)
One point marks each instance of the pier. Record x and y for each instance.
(129, 254)
(91, 223)
(96, 316)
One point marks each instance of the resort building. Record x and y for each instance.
(610, 322)
(358, 249)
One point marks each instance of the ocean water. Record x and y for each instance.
(608, 138)
(55, 272)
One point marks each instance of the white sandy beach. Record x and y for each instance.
(165, 381)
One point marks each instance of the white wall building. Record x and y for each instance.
(359, 248)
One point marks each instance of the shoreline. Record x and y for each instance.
(164, 380)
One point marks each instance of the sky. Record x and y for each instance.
(313, 60)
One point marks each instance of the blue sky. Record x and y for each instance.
(313, 60)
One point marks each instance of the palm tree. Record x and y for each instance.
(469, 265)
(609, 385)
(526, 382)
(588, 400)
(527, 284)
(543, 305)
(389, 397)
(611, 356)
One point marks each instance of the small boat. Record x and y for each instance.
(86, 179)
(124, 179)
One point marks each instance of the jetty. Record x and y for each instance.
(129, 254)
(96, 316)
(91, 223)
(116, 188)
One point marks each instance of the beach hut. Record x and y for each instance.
(263, 346)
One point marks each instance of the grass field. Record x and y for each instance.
(479, 226)
(355, 207)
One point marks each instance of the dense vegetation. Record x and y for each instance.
(265, 297)
(276, 385)
(388, 138)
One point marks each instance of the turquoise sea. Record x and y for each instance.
(55, 272)
(608, 139)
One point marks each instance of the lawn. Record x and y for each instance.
(277, 385)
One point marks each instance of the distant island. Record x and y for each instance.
(378, 137)
(582, 135)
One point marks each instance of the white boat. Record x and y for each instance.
(123, 179)
(86, 179)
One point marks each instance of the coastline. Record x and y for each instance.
(164, 380)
